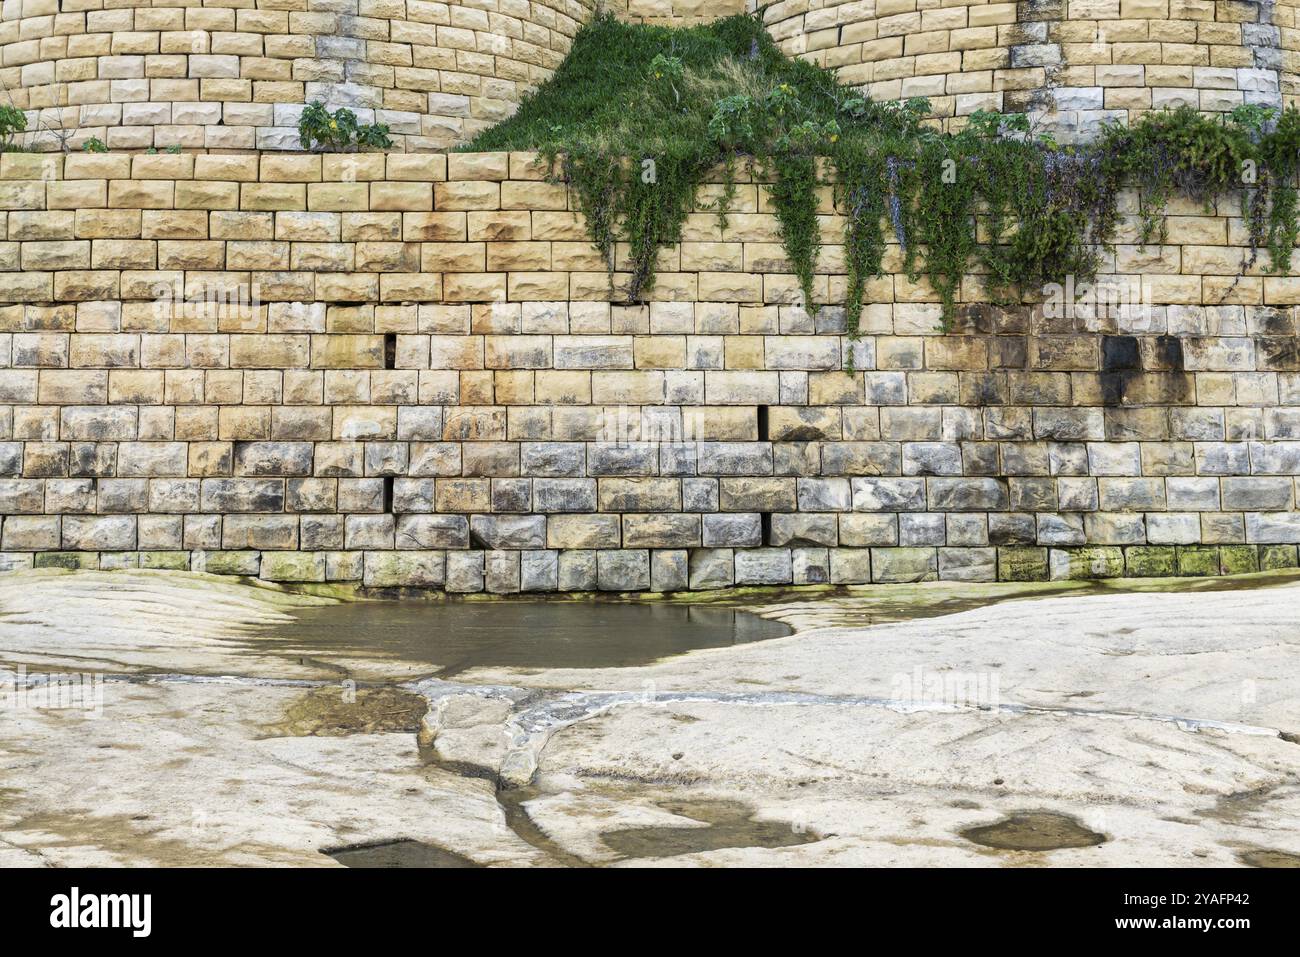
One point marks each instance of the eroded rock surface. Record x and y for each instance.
(1105, 728)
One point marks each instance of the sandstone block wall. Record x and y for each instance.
(406, 370)
(235, 74)
(1074, 63)
(676, 13)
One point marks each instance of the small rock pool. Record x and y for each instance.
(446, 638)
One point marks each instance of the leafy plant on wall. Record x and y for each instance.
(12, 122)
(994, 196)
(339, 131)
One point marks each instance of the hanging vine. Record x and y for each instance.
(637, 118)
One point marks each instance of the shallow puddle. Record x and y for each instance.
(1267, 857)
(445, 638)
(727, 825)
(336, 711)
(399, 854)
(1034, 831)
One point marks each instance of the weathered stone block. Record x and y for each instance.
(404, 569)
(1087, 562)
(1198, 560)
(1238, 559)
(763, 566)
(734, 530)
(539, 571)
(850, 566)
(623, 570)
(888, 494)
(804, 529)
(431, 532)
(501, 572)
(508, 531)
(465, 572)
(1272, 557)
(712, 568)
(293, 566)
(1150, 561)
(669, 570)
(968, 564)
(904, 564)
(578, 570)
(98, 533)
(1022, 564)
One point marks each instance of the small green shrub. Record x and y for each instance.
(12, 122)
(94, 145)
(339, 131)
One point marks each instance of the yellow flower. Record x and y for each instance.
(834, 137)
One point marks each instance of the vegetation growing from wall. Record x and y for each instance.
(637, 117)
(12, 122)
(339, 131)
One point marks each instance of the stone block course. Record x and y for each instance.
(422, 388)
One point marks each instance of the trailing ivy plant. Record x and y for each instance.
(637, 117)
(1272, 213)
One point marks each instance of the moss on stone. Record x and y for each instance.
(1023, 564)
(1238, 559)
(1150, 561)
(1198, 560)
(1277, 556)
(172, 561)
(1092, 561)
(68, 560)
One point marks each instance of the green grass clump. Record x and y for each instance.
(636, 118)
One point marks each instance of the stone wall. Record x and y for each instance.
(676, 13)
(1073, 63)
(406, 370)
(235, 74)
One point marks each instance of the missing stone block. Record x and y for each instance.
(763, 411)
(765, 523)
(390, 350)
(388, 495)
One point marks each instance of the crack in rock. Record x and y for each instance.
(537, 716)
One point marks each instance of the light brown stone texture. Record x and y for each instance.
(379, 381)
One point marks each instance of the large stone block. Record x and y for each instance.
(669, 570)
(405, 569)
(712, 568)
(432, 532)
(623, 570)
(763, 566)
(904, 564)
(508, 531)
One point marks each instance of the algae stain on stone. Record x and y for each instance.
(1267, 857)
(334, 711)
(1033, 831)
(404, 853)
(727, 824)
